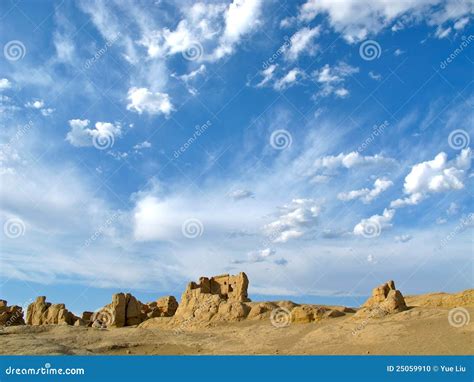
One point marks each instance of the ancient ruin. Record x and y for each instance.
(385, 299)
(10, 315)
(42, 312)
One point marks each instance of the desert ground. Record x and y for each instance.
(422, 329)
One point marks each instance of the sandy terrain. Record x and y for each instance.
(420, 330)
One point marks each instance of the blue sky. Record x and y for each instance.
(323, 147)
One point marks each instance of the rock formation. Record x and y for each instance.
(124, 310)
(386, 299)
(220, 297)
(163, 307)
(41, 312)
(10, 315)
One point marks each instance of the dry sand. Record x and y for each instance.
(423, 329)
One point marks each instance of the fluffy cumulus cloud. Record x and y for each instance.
(5, 84)
(296, 219)
(241, 18)
(331, 79)
(358, 19)
(81, 135)
(434, 176)
(302, 42)
(142, 100)
(373, 226)
(367, 195)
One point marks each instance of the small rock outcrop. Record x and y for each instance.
(385, 299)
(220, 298)
(10, 315)
(42, 312)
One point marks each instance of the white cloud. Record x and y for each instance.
(367, 195)
(241, 194)
(331, 79)
(453, 209)
(435, 176)
(241, 18)
(190, 77)
(374, 225)
(257, 256)
(38, 104)
(357, 19)
(143, 145)
(350, 160)
(375, 76)
(461, 23)
(297, 219)
(143, 100)
(289, 79)
(5, 84)
(398, 52)
(81, 135)
(302, 42)
(46, 112)
(403, 238)
(267, 74)
(442, 32)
